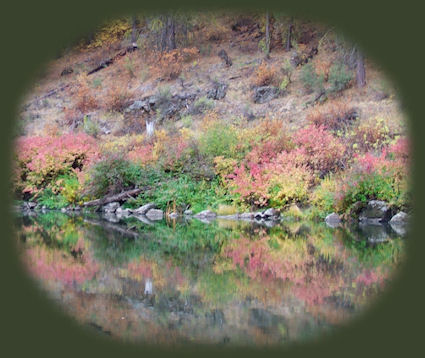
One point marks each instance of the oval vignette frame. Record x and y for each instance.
(374, 328)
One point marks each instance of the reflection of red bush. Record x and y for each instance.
(51, 265)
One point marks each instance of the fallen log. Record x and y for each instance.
(117, 197)
(111, 60)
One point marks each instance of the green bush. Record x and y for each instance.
(219, 139)
(51, 200)
(311, 80)
(202, 104)
(184, 191)
(112, 176)
(339, 77)
(90, 127)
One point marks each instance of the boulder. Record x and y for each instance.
(271, 214)
(399, 223)
(376, 212)
(265, 94)
(144, 209)
(401, 218)
(111, 207)
(333, 220)
(155, 214)
(206, 214)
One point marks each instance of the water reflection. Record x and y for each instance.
(225, 282)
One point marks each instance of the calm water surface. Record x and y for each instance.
(224, 282)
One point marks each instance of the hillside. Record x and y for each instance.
(291, 127)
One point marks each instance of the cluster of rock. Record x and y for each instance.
(375, 212)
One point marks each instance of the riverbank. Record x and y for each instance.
(292, 132)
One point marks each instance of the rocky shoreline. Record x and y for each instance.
(374, 212)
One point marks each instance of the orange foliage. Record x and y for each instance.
(266, 75)
(85, 101)
(117, 98)
(171, 63)
(332, 115)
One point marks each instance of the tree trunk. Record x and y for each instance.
(134, 30)
(150, 128)
(289, 35)
(117, 197)
(267, 35)
(361, 72)
(168, 34)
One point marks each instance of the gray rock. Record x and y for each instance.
(271, 214)
(138, 105)
(206, 214)
(400, 218)
(218, 91)
(155, 214)
(247, 216)
(188, 212)
(144, 209)
(64, 210)
(120, 212)
(144, 220)
(333, 220)
(399, 223)
(258, 215)
(173, 215)
(30, 205)
(265, 94)
(376, 211)
(111, 207)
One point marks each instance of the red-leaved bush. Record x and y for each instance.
(320, 150)
(41, 160)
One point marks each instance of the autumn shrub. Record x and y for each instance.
(110, 32)
(111, 175)
(40, 161)
(371, 134)
(334, 115)
(319, 149)
(171, 63)
(266, 75)
(381, 176)
(142, 154)
(85, 101)
(117, 98)
(289, 184)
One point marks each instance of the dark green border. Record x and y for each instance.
(391, 34)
